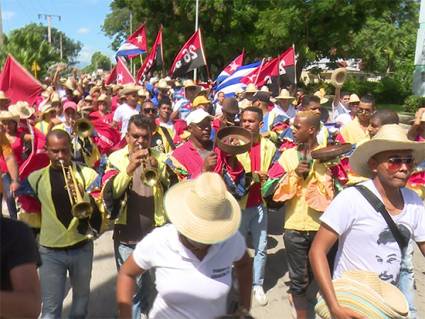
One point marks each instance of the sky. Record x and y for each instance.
(80, 20)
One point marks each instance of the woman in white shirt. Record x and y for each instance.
(193, 256)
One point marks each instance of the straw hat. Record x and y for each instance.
(143, 93)
(251, 88)
(128, 89)
(54, 98)
(354, 98)
(367, 295)
(321, 94)
(3, 96)
(189, 83)
(390, 137)
(102, 98)
(284, 95)
(89, 98)
(46, 108)
(200, 100)
(6, 116)
(163, 85)
(22, 109)
(94, 89)
(207, 215)
(69, 85)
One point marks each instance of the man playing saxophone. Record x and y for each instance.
(133, 195)
(68, 217)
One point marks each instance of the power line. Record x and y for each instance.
(49, 17)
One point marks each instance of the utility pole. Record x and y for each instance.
(1, 27)
(131, 31)
(60, 46)
(195, 73)
(49, 23)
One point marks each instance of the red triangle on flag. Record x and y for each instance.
(138, 38)
(120, 74)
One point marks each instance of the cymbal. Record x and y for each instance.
(331, 152)
(233, 140)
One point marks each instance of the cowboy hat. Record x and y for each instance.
(162, 85)
(102, 98)
(207, 215)
(69, 85)
(94, 89)
(390, 137)
(7, 115)
(46, 108)
(89, 98)
(354, 98)
(54, 98)
(366, 294)
(22, 109)
(284, 95)
(200, 100)
(3, 96)
(321, 94)
(189, 83)
(251, 88)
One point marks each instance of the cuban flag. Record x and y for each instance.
(230, 69)
(233, 83)
(135, 44)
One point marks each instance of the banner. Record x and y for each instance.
(154, 59)
(17, 83)
(120, 74)
(190, 56)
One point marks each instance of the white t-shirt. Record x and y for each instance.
(188, 288)
(366, 242)
(122, 115)
(338, 110)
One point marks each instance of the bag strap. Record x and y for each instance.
(379, 206)
(168, 137)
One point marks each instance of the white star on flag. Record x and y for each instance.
(139, 38)
(233, 66)
(251, 77)
(120, 77)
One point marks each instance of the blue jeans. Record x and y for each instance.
(254, 220)
(8, 196)
(406, 281)
(55, 265)
(144, 285)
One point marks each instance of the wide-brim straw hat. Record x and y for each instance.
(390, 137)
(203, 210)
(163, 85)
(284, 95)
(366, 294)
(45, 107)
(22, 109)
(69, 85)
(7, 115)
(354, 98)
(128, 89)
(251, 88)
(3, 96)
(54, 98)
(189, 83)
(321, 94)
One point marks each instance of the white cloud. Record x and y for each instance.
(84, 58)
(8, 15)
(83, 30)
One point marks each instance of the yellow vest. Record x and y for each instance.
(267, 151)
(52, 232)
(119, 160)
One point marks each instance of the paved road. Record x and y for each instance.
(102, 299)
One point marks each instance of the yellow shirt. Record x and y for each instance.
(42, 126)
(353, 132)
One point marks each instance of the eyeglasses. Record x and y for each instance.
(366, 111)
(394, 163)
(150, 110)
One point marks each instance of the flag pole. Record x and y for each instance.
(295, 66)
(196, 29)
(131, 31)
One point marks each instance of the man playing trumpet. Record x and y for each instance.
(133, 195)
(65, 238)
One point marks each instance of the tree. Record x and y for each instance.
(98, 61)
(263, 28)
(29, 44)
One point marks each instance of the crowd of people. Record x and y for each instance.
(146, 161)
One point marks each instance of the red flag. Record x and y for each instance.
(269, 70)
(190, 56)
(120, 74)
(138, 38)
(107, 136)
(18, 83)
(286, 59)
(38, 157)
(155, 57)
(253, 75)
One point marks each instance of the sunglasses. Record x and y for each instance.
(394, 163)
(150, 110)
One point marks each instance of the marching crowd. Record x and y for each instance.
(184, 177)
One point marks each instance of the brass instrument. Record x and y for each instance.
(79, 207)
(83, 128)
(149, 174)
(338, 77)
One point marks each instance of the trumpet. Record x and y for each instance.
(83, 128)
(149, 175)
(79, 207)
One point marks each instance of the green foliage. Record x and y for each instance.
(413, 102)
(29, 44)
(98, 61)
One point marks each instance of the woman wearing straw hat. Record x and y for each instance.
(366, 240)
(192, 256)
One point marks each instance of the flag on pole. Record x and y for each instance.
(269, 70)
(233, 83)
(230, 69)
(135, 44)
(154, 59)
(190, 56)
(287, 65)
(18, 83)
(120, 74)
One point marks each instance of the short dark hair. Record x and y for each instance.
(368, 98)
(164, 100)
(386, 117)
(255, 110)
(344, 93)
(59, 134)
(313, 118)
(309, 98)
(142, 122)
(147, 102)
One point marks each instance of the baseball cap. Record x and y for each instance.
(197, 116)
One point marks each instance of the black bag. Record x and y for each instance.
(380, 207)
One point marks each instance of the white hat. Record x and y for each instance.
(251, 88)
(197, 116)
(354, 98)
(284, 95)
(22, 109)
(390, 137)
(202, 209)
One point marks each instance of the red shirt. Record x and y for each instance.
(254, 195)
